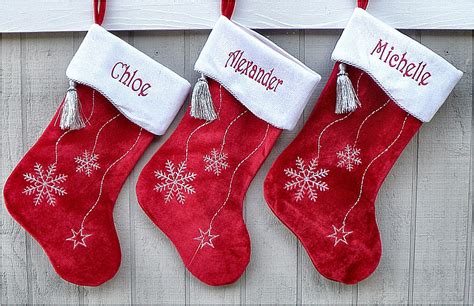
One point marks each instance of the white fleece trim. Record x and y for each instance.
(427, 84)
(150, 95)
(277, 93)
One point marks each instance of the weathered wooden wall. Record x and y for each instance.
(424, 208)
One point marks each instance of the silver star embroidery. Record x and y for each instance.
(78, 238)
(206, 238)
(339, 235)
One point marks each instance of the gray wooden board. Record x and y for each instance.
(424, 208)
(14, 280)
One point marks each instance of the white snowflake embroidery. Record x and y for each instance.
(87, 163)
(44, 184)
(306, 180)
(215, 162)
(175, 181)
(348, 157)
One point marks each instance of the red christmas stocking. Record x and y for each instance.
(64, 189)
(193, 187)
(324, 185)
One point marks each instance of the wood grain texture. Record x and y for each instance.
(272, 273)
(159, 273)
(37, 16)
(14, 276)
(424, 208)
(443, 182)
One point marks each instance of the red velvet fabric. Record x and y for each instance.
(310, 208)
(76, 194)
(196, 201)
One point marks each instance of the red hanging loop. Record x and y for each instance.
(363, 4)
(99, 11)
(227, 8)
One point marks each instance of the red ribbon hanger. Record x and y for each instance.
(99, 11)
(363, 4)
(227, 8)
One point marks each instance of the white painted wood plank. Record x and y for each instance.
(271, 276)
(44, 62)
(202, 294)
(469, 294)
(469, 281)
(13, 278)
(60, 15)
(315, 289)
(117, 290)
(389, 283)
(443, 182)
(159, 274)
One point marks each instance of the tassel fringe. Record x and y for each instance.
(71, 115)
(346, 97)
(201, 101)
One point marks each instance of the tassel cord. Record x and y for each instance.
(202, 106)
(71, 112)
(346, 97)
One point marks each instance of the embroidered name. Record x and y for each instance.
(247, 67)
(120, 71)
(415, 71)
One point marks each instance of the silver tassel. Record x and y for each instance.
(346, 97)
(71, 117)
(201, 101)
